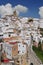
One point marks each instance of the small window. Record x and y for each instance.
(18, 51)
(7, 25)
(19, 45)
(18, 61)
(9, 35)
(14, 48)
(23, 46)
(1, 35)
(31, 63)
(10, 54)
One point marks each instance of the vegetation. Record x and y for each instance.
(41, 29)
(30, 20)
(41, 33)
(38, 52)
(39, 46)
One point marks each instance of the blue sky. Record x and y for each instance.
(32, 5)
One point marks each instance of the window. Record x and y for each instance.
(14, 48)
(11, 32)
(10, 54)
(23, 46)
(9, 35)
(31, 63)
(18, 61)
(6, 25)
(19, 45)
(18, 51)
(1, 35)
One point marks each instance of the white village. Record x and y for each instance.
(17, 36)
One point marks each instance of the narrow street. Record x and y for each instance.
(33, 58)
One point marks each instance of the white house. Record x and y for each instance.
(13, 49)
(41, 23)
(35, 22)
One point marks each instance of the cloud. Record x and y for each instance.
(41, 12)
(8, 9)
(21, 8)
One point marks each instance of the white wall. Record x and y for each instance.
(41, 23)
(36, 38)
(21, 48)
(36, 24)
(27, 41)
(24, 19)
(8, 50)
(5, 35)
